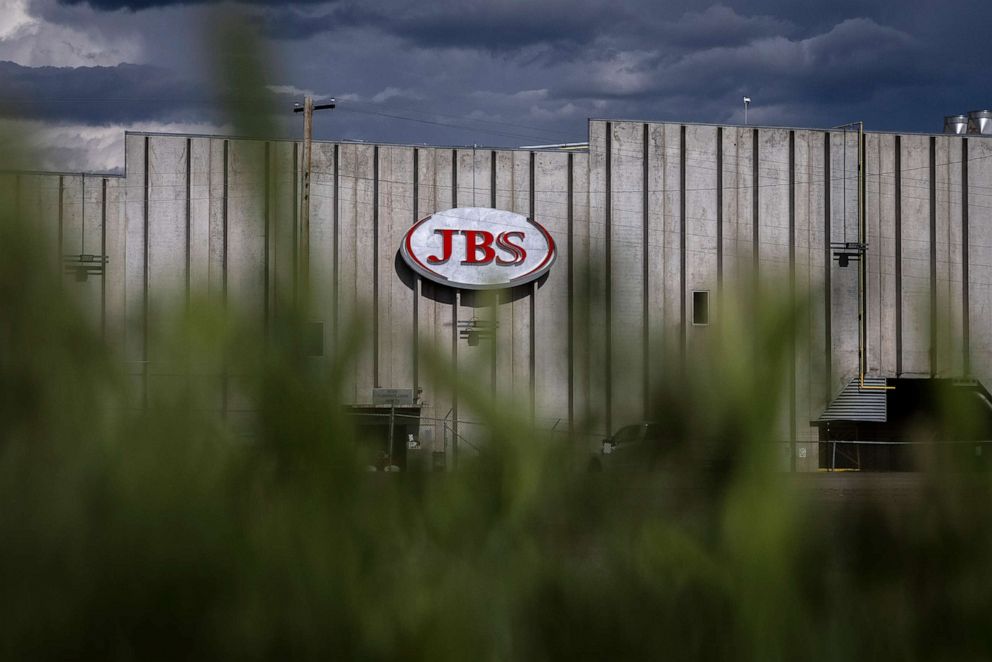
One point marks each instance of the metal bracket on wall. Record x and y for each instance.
(845, 252)
(475, 330)
(84, 265)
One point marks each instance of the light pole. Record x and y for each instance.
(307, 109)
(747, 102)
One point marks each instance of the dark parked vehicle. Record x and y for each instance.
(632, 447)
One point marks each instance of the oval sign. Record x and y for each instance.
(478, 248)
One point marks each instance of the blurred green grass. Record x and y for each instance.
(160, 533)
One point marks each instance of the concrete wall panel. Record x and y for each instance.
(657, 184)
(915, 255)
(200, 202)
(114, 296)
(948, 254)
(134, 275)
(701, 233)
(597, 348)
(551, 309)
(167, 232)
(980, 257)
(774, 243)
(820, 392)
(246, 233)
(804, 275)
(580, 262)
(626, 275)
(673, 281)
(880, 184)
(396, 281)
(437, 306)
(843, 280)
(323, 248)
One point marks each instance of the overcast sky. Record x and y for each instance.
(499, 73)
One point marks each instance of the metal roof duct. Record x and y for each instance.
(980, 122)
(956, 124)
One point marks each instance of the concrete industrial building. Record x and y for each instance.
(660, 211)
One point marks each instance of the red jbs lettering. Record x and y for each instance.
(481, 247)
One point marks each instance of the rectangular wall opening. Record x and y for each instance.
(700, 307)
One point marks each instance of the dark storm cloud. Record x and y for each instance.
(93, 94)
(502, 24)
(717, 25)
(122, 93)
(496, 26)
(838, 63)
(550, 65)
(289, 22)
(137, 5)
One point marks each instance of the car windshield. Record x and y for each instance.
(627, 434)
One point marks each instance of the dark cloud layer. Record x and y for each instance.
(510, 72)
(138, 5)
(118, 94)
(93, 94)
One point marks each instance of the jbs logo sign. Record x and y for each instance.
(478, 248)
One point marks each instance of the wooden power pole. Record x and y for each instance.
(307, 110)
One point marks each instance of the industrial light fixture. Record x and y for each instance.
(747, 102)
(845, 252)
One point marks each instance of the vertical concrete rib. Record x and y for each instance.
(454, 178)
(966, 316)
(265, 239)
(494, 344)
(336, 262)
(417, 283)
(103, 256)
(296, 220)
(570, 331)
(60, 258)
(933, 256)
(645, 277)
(492, 179)
(224, 265)
(189, 214)
(827, 263)
(755, 236)
(719, 210)
(375, 271)
(898, 233)
(608, 275)
(682, 256)
(533, 312)
(454, 325)
(144, 283)
(792, 300)
(224, 220)
(863, 264)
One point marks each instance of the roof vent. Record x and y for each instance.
(980, 122)
(956, 124)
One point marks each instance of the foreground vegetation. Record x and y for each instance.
(160, 532)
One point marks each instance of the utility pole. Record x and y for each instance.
(307, 110)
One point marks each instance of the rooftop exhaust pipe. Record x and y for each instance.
(956, 124)
(980, 122)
